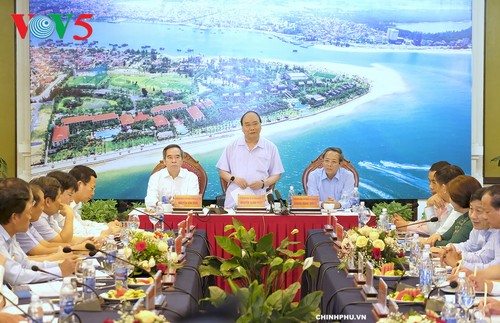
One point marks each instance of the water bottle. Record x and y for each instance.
(355, 200)
(67, 299)
(35, 310)
(111, 252)
(88, 280)
(460, 285)
(291, 193)
(134, 222)
(362, 214)
(383, 220)
(414, 254)
(449, 312)
(121, 271)
(159, 214)
(425, 273)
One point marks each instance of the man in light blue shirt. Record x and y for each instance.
(330, 181)
(16, 201)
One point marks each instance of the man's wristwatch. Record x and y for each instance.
(262, 184)
(231, 179)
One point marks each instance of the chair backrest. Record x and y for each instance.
(318, 163)
(193, 166)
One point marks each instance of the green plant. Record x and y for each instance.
(3, 168)
(405, 211)
(100, 211)
(256, 273)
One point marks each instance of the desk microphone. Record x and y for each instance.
(18, 307)
(433, 219)
(284, 209)
(68, 250)
(270, 200)
(84, 306)
(452, 284)
(154, 217)
(93, 248)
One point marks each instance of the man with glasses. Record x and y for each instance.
(331, 180)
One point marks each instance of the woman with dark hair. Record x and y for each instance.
(460, 190)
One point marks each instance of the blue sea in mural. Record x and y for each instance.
(392, 140)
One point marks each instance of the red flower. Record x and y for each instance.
(401, 254)
(140, 246)
(376, 253)
(162, 267)
(108, 320)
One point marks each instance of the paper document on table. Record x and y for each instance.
(239, 191)
(49, 289)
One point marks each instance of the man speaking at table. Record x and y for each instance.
(250, 162)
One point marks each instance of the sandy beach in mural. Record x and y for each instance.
(384, 81)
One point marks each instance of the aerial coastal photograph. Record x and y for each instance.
(388, 81)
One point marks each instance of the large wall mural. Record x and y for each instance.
(389, 82)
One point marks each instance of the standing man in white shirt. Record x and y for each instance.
(171, 180)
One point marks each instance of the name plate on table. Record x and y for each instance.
(251, 202)
(187, 201)
(380, 308)
(339, 231)
(369, 292)
(149, 303)
(305, 202)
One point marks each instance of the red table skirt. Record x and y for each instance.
(280, 225)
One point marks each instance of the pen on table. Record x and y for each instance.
(475, 270)
(485, 293)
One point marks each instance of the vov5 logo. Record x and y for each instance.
(42, 26)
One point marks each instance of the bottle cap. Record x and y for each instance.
(461, 274)
(384, 210)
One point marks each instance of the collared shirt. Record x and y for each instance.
(430, 228)
(252, 165)
(18, 266)
(496, 288)
(318, 184)
(29, 239)
(82, 228)
(448, 222)
(487, 256)
(162, 184)
(44, 228)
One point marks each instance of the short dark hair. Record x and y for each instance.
(35, 189)
(438, 165)
(66, 180)
(15, 193)
(335, 150)
(82, 173)
(494, 191)
(461, 189)
(49, 185)
(478, 195)
(251, 111)
(445, 174)
(172, 146)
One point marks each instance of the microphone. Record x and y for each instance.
(18, 307)
(154, 217)
(85, 305)
(433, 219)
(270, 200)
(284, 209)
(68, 250)
(452, 284)
(93, 248)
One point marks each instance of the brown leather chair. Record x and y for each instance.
(193, 166)
(318, 163)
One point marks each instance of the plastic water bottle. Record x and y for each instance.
(383, 220)
(111, 250)
(35, 310)
(460, 285)
(355, 199)
(414, 254)
(67, 299)
(121, 271)
(425, 273)
(159, 214)
(291, 192)
(449, 312)
(88, 280)
(362, 214)
(134, 222)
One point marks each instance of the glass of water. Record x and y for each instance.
(466, 299)
(439, 278)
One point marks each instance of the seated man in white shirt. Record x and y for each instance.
(16, 201)
(68, 188)
(6, 317)
(171, 180)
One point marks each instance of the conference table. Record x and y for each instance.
(181, 301)
(280, 225)
(340, 296)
